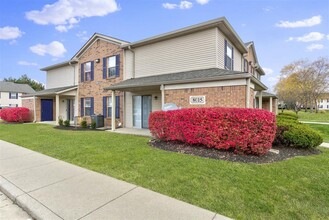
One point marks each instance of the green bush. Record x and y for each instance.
(83, 123)
(302, 136)
(292, 133)
(67, 123)
(60, 122)
(93, 125)
(289, 114)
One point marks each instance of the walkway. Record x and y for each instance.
(135, 131)
(313, 122)
(48, 188)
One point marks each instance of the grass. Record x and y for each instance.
(297, 188)
(323, 129)
(321, 116)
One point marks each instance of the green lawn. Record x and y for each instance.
(294, 189)
(322, 116)
(323, 129)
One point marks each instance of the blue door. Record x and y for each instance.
(46, 110)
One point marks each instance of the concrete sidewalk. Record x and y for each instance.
(48, 188)
(313, 122)
(326, 145)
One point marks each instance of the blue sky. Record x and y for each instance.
(35, 33)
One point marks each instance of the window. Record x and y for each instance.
(87, 73)
(87, 106)
(109, 106)
(246, 65)
(228, 56)
(111, 66)
(13, 95)
(13, 105)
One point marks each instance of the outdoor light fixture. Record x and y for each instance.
(97, 60)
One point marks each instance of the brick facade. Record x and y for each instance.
(224, 96)
(95, 88)
(28, 103)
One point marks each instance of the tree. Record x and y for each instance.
(24, 79)
(303, 82)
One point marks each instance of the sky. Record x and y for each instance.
(40, 33)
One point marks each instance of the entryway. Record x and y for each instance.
(46, 110)
(142, 107)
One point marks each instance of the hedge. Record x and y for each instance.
(249, 131)
(291, 133)
(18, 114)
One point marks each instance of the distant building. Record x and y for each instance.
(323, 102)
(10, 94)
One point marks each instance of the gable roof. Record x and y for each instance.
(15, 87)
(258, 67)
(221, 23)
(94, 38)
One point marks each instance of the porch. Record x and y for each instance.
(52, 104)
(134, 131)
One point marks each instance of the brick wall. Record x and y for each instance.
(95, 88)
(28, 103)
(225, 96)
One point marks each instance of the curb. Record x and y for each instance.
(33, 207)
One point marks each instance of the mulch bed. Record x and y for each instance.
(73, 128)
(270, 157)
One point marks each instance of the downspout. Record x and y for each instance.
(34, 112)
(133, 73)
(73, 72)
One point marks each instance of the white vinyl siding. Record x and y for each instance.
(63, 76)
(221, 50)
(6, 101)
(190, 52)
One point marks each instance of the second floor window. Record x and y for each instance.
(87, 106)
(87, 73)
(13, 95)
(228, 56)
(111, 66)
(246, 65)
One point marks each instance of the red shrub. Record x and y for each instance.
(15, 114)
(249, 131)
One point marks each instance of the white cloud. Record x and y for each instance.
(9, 33)
(185, 5)
(169, 6)
(328, 36)
(313, 36)
(314, 47)
(182, 5)
(268, 9)
(315, 20)
(55, 49)
(64, 14)
(202, 2)
(82, 35)
(26, 63)
(268, 71)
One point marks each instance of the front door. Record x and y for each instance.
(142, 107)
(70, 109)
(46, 110)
